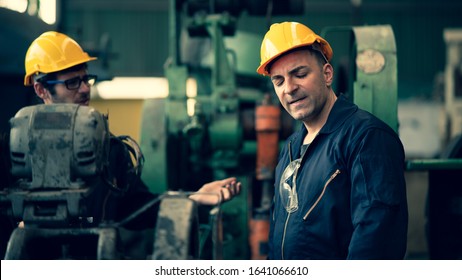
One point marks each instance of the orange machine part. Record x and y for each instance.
(259, 229)
(267, 126)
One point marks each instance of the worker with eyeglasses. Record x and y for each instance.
(340, 191)
(56, 66)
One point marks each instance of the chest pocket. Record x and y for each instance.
(322, 193)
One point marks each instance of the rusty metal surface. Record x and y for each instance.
(63, 243)
(53, 149)
(176, 234)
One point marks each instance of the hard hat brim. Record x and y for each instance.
(327, 51)
(28, 78)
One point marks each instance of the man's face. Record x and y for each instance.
(62, 94)
(301, 84)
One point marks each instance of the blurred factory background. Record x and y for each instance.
(165, 66)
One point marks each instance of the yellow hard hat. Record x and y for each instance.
(50, 52)
(285, 36)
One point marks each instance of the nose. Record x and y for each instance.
(84, 87)
(290, 86)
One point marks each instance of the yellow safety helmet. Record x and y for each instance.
(50, 52)
(286, 36)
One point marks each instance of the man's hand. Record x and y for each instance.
(217, 191)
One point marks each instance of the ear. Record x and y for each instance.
(328, 72)
(41, 91)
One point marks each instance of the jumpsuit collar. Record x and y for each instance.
(341, 111)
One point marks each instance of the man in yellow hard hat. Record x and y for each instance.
(340, 191)
(56, 66)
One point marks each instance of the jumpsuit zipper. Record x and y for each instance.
(332, 177)
(284, 236)
(288, 214)
(322, 193)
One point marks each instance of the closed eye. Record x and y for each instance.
(300, 72)
(277, 81)
(301, 75)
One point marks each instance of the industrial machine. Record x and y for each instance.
(453, 85)
(59, 155)
(372, 81)
(55, 150)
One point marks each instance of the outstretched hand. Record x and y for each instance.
(217, 191)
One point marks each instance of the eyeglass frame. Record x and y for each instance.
(86, 79)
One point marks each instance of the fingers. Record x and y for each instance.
(227, 181)
(230, 190)
(224, 189)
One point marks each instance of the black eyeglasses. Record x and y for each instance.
(74, 83)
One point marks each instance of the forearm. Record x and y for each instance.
(381, 233)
